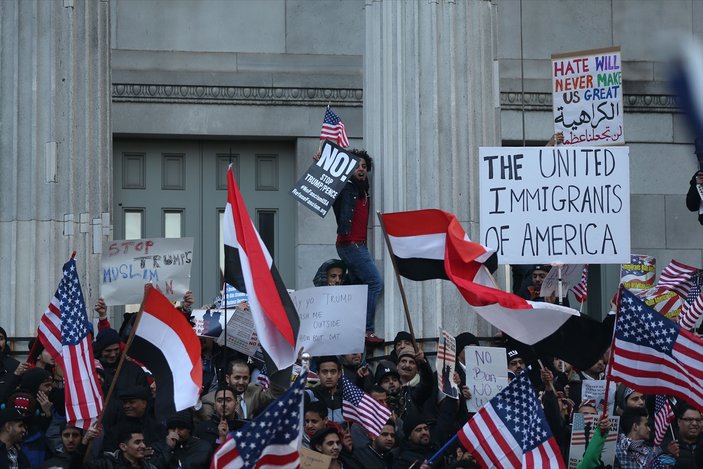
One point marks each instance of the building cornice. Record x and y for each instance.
(339, 97)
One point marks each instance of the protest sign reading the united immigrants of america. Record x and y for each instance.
(127, 265)
(318, 188)
(556, 204)
(587, 97)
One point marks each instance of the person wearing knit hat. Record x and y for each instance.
(402, 339)
(515, 361)
(35, 380)
(180, 448)
(417, 445)
(107, 346)
(13, 431)
(7, 363)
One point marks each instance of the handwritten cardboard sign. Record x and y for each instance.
(332, 319)
(310, 459)
(581, 434)
(241, 332)
(445, 364)
(486, 374)
(587, 97)
(318, 188)
(127, 265)
(594, 390)
(556, 204)
(570, 276)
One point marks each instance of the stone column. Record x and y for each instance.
(430, 101)
(55, 150)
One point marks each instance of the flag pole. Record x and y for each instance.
(608, 375)
(442, 449)
(397, 278)
(123, 355)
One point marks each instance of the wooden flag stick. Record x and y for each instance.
(397, 277)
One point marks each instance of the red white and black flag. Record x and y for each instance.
(165, 343)
(250, 269)
(431, 244)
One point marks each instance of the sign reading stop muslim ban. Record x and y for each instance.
(587, 97)
(318, 188)
(556, 204)
(332, 319)
(127, 265)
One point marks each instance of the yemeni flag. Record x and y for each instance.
(250, 269)
(416, 240)
(166, 344)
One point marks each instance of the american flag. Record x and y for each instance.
(580, 290)
(678, 277)
(446, 348)
(67, 334)
(271, 440)
(655, 355)
(663, 415)
(359, 407)
(639, 273)
(511, 431)
(333, 129)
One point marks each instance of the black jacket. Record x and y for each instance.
(693, 200)
(116, 461)
(22, 460)
(193, 454)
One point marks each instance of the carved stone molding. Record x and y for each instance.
(633, 102)
(262, 96)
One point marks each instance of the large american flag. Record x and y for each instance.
(663, 415)
(654, 355)
(66, 333)
(359, 407)
(271, 440)
(511, 431)
(333, 129)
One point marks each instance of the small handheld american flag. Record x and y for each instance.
(333, 129)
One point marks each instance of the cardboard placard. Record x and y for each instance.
(587, 97)
(332, 319)
(127, 265)
(445, 365)
(310, 459)
(321, 184)
(486, 374)
(581, 434)
(556, 204)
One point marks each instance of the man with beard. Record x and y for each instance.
(688, 426)
(351, 210)
(12, 431)
(180, 449)
(417, 446)
(136, 411)
(377, 454)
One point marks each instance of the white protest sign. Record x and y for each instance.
(583, 428)
(241, 332)
(332, 319)
(594, 390)
(486, 374)
(127, 265)
(445, 364)
(587, 97)
(570, 276)
(208, 322)
(556, 204)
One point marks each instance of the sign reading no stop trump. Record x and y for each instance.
(556, 204)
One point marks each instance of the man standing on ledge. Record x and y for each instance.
(351, 209)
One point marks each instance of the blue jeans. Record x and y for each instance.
(363, 271)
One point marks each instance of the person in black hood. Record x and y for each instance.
(7, 363)
(693, 198)
(332, 272)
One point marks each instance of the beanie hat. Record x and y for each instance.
(412, 419)
(31, 380)
(512, 354)
(182, 419)
(23, 402)
(3, 333)
(465, 339)
(402, 335)
(406, 352)
(105, 338)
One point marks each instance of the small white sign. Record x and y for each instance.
(332, 319)
(486, 374)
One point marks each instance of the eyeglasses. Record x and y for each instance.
(691, 420)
